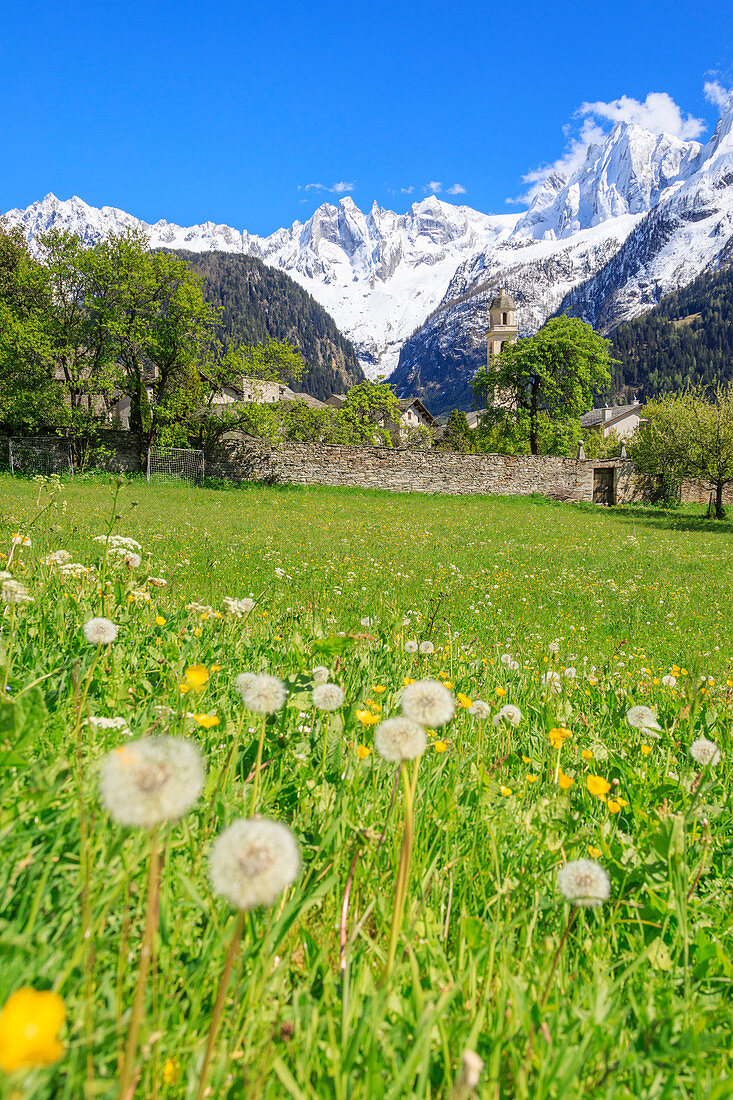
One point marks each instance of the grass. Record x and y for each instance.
(639, 1001)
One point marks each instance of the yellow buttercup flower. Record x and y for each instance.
(206, 720)
(379, 689)
(557, 735)
(408, 680)
(587, 754)
(501, 691)
(464, 699)
(596, 853)
(531, 778)
(564, 780)
(645, 749)
(440, 746)
(505, 791)
(160, 621)
(367, 718)
(613, 806)
(598, 786)
(196, 677)
(170, 1071)
(363, 752)
(526, 759)
(30, 1021)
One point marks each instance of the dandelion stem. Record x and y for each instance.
(146, 951)
(403, 872)
(556, 959)
(258, 766)
(219, 1005)
(9, 651)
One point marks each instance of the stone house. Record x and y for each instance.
(621, 419)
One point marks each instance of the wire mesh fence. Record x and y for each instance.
(40, 456)
(175, 463)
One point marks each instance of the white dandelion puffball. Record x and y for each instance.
(328, 697)
(479, 709)
(366, 620)
(100, 631)
(237, 607)
(513, 666)
(426, 648)
(411, 646)
(428, 702)
(398, 739)
(508, 713)
(642, 718)
(321, 674)
(505, 658)
(554, 647)
(584, 882)
(260, 692)
(551, 681)
(152, 780)
(705, 752)
(570, 673)
(252, 862)
(14, 593)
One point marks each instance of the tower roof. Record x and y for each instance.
(503, 301)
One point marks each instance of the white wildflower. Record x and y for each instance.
(505, 658)
(236, 607)
(411, 646)
(321, 674)
(158, 582)
(428, 702)
(479, 709)
(20, 540)
(118, 541)
(253, 861)
(508, 713)
(705, 752)
(260, 692)
(100, 631)
(426, 648)
(125, 556)
(146, 782)
(552, 682)
(328, 697)
(583, 882)
(14, 593)
(74, 569)
(366, 621)
(470, 1075)
(57, 557)
(398, 739)
(108, 723)
(554, 647)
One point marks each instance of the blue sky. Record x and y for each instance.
(235, 113)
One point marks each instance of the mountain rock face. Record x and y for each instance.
(642, 215)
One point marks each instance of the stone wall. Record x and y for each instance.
(239, 458)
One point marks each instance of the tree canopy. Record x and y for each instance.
(552, 374)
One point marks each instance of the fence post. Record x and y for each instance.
(71, 459)
(148, 465)
(10, 455)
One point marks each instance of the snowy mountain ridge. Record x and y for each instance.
(412, 288)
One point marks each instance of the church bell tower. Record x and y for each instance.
(503, 324)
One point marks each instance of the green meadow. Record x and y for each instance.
(571, 614)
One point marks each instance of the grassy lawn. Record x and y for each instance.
(571, 613)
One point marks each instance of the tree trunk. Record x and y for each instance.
(719, 509)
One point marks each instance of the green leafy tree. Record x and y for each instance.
(511, 435)
(457, 434)
(555, 373)
(30, 397)
(687, 435)
(370, 414)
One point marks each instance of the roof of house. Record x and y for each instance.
(503, 301)
(596, 417)
(307, 399)
(406, 403)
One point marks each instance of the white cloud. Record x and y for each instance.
(340, 188)
(456, 189)
(435, 186)
(658, 113)
(407, 190)
(716, 93)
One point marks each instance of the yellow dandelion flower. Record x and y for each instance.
(30, 1021)
(598, 786)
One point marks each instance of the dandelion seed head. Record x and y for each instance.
(508, 713)
(584, 883)
(479, 709)
(398, 739)
(411, 646)
(152, 780)
(705, 752)
(260, 692)
(100, 631)
(426, 648)
(428, 702)
(13, 593)
(642, 718)
(321, 674)
(328, 697)
(252, 862)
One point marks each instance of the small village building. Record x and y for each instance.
(621, 419)
(503, 328)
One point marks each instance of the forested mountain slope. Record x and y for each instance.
(258, 302)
